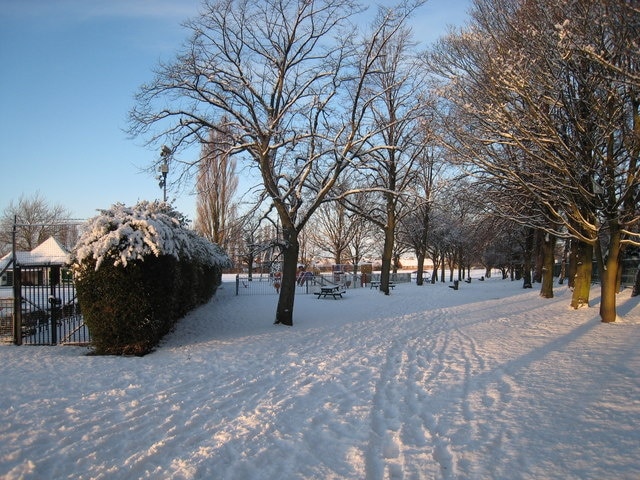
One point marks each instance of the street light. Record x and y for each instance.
(164, 170)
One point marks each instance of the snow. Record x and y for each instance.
(125, 234)
(487, 382)
(49, 252)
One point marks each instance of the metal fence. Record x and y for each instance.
(6, 318)
(41, 308)
(269, 284)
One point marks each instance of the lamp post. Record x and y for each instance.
(164, 170)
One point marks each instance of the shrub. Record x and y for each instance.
(138, 270)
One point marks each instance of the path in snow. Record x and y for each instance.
(487, 382)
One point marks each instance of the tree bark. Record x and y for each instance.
(284, 311)
(387, 255)
(526, 264)
(540, 256)
(572, 267)
(609, 275)
(608, 312)
(565, 262)
(420, 272)
(548, 248)
(636, 284)
(582, 279)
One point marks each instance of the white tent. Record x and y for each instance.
(49, 253)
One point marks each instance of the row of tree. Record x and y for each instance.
(541, 105)
(525, 122)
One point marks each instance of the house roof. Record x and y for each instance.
(48, 253)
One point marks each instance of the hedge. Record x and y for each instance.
(138, 271)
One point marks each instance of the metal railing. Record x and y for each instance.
(48, 311)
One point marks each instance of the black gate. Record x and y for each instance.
(46, 310)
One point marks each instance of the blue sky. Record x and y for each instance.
(69, 71)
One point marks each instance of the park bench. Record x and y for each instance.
(376, 284)
(334, 291)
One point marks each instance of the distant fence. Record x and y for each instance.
(269, 284)
(629, 268)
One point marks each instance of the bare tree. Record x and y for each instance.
(389, 167)
(333, 230)
(35, 220)
(289, 77)
(414, 227)
(363, 243)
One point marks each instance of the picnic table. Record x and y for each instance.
(331, 290)
(376, 284)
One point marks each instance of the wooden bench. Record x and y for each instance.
(376, 284)
(334, 291)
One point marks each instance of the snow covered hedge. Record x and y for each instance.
(138, 270)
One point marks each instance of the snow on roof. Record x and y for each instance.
(49, 252)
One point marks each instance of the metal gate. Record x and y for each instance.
(46, 310)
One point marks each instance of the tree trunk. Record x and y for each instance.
(620, 272)
(565, 263)
(540, 256)
(396, 263)
(572, 268)
(452, 265)
(436, 268)
(582, 279)
(548, 248)
(526, 260)
(636, 284)
(609, 275)
(420, 257)
(387, 255)
(284, 311)
(250, 268)
(608, 312)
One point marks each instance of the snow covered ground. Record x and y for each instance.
(488, 382)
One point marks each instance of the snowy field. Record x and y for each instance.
(488, 382)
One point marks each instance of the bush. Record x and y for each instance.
(138, 270)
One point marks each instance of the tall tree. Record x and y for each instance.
(362, 245)
(216, 186)
(398, 114)
(415, 226)
(289, 76)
